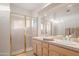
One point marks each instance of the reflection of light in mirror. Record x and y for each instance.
(48, 27)
(18, 24)
(52, 20)
(27, 23)
(34, 22)
(41, 26)
(56, 21)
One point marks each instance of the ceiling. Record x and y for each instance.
(29, 6)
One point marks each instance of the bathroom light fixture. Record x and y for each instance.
(52, 20)
(58, 21)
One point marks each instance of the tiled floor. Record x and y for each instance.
(29, 53)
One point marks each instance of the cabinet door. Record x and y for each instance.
(34, 46)
(67, 52)
(54, 51)
(39, 48)
(45, 49)
(61, 51)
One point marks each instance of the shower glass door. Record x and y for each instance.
(17, 33)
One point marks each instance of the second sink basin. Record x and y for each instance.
(66, 42)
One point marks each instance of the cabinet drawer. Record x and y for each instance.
(38, 42)
(45, 45)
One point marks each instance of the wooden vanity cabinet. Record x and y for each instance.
(45, 48)
(42, 48)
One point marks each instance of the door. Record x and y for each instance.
(17, 33)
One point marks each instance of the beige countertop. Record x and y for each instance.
(61, 43)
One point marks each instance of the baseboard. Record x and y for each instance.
(21, 51)
(17, 52)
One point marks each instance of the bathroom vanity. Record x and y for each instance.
(55, 47)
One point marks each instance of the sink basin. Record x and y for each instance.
(48, 39)
(66, 42)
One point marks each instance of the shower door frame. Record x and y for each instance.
(24, 31)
